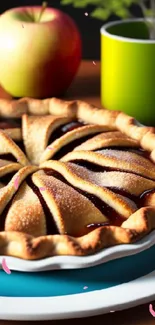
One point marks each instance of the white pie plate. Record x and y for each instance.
(76, 262)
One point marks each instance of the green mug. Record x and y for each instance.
(128, 69)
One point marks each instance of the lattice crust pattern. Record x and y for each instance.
(74, 179)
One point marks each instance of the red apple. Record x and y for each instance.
(40, 51)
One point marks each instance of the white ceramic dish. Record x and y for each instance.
(98, 302)
(74, 262)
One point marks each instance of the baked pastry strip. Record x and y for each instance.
(7, 167)
(27, 204)
(86, 181)
(14, 133)
(108, 139)
(71, 211)
(7, 192)
(69, 137)
(115, 159)
(7, 145)
(36, 133)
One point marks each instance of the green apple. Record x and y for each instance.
(40, 51)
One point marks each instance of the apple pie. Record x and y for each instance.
(74, 179)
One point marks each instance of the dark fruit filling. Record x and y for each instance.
(8, 156)
(70, 146)
(92, 167)
(63, 129)
(7, 123)
(7, 178)
(21, 146)
(146, 195)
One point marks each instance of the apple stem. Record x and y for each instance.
(44, 6)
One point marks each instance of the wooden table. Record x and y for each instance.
(87, 87)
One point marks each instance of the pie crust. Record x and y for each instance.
(74, 178)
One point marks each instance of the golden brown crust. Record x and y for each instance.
(20, 241)
(12, 108)
(27, 247)
(115, 120)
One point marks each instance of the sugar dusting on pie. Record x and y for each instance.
(74, 179)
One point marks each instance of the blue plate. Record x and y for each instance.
(69, 282)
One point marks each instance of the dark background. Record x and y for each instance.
(89, 27)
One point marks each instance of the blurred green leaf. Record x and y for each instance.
(94, 2)
(123, 13)
(66, 2)
(81, 3)
(128, 3)
(101, 13)
(104, 3)
(104, 8)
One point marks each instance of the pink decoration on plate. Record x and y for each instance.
(5, 267)
(152, 312)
